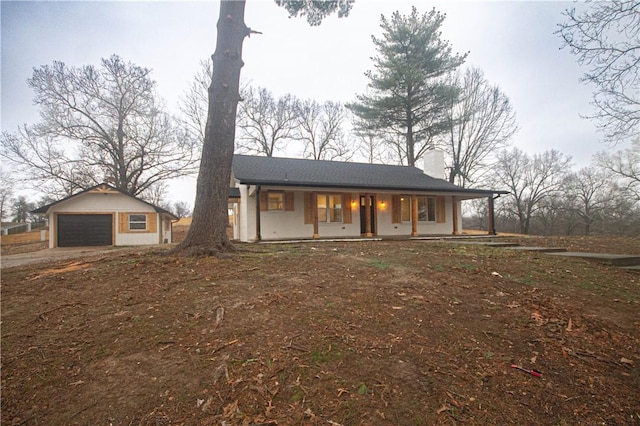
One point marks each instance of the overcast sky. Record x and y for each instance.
(512, 42)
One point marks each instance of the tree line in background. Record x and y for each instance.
(115, 129)
(548, 197)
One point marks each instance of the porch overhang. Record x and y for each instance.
(460, 193)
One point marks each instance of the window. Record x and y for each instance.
(426, 209)
(329, 208)
(275, 201)
(405, 208)
(430, 209)
(137, 222)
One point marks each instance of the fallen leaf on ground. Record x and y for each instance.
(538, 318)
(229, 410)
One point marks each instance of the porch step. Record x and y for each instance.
(540, 249)
(608, 259)
(484, 243)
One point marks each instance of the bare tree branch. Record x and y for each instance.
(103, 124)
(479, 123)
(606, 39)
(625, 165)
(530, 180)
(265, 123)
(320, 129)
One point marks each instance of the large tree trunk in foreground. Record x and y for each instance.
(208, 232)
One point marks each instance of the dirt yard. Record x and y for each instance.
(375, 333)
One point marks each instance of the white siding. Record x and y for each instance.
(273, 225)
(283, 225)
(137, 238)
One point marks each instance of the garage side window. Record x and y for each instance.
(137, 222)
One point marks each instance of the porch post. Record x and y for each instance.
(258, 235)
(454, 211)
(491, 224)
(414, 216)
(314, 206)
(367, 216)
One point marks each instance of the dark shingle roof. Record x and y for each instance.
(253, 170)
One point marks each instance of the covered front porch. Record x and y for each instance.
(264, 213)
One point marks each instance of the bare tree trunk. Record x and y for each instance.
(208, 232)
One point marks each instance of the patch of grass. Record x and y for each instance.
(363, 389)
(468, 267)
(528, 280)
(459, 250)
(290, 250)
(378, 263)
(588, 285)
(298, 395)
(332, 353)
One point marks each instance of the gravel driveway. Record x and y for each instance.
(55, 254)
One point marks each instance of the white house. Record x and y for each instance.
(286, 198)
(104, 216)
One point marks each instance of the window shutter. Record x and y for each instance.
(288, 202)
(308, 208)
(396, 209)
(123, 222)
(152, 222)
(346, 207)
(264, 201)
(440, 210)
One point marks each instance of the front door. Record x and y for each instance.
(367, 201)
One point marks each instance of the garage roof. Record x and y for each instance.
(102, 186)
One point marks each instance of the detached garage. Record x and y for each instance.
(78, 230)
(105, 216)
